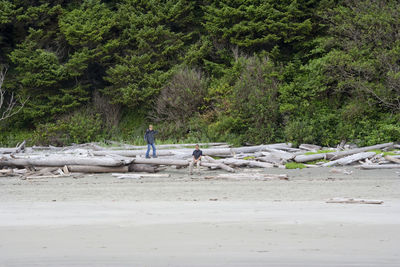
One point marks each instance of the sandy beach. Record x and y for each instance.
(99, 220)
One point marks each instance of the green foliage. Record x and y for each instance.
(88, 25)
(154, 35)
(253, 71)
(182, 98)
(294, 165)
(11, 138)
(81, 127)
(258, 25)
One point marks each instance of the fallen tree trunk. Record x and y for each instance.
(309, 147)
(338, 155)
(219, 164)
(350, 159)
(143, 168)
(17, 149)
(354, 201)
(62, 160)
(96, 169)
(280, 154)
(122, 146)
(341, 154)
(131, 153)
(392, 159)
(308, 158)
(383, 166)
(159, 161)
(250, 163)
(139, 175)
(253, 176)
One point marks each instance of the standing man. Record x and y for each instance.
(197, 153)
(149, 137)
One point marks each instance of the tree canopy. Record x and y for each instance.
(238, 71)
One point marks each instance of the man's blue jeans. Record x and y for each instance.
(148, 150)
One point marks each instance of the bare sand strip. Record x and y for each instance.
(179, 221)
(199, 234)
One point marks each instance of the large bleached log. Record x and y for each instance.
(96, 169)
(270, 159)
(350, 159)
(354, 201)
(62, 160)
(119, 169)
(143, 168)
(383, 166)
(309, 147)
(251, 176)
(392, 159)
(217, 164)
(139, 175)
(250, 163)
(164, 146)
(17, 149)
(218, 151)
(285, 156)
(159, 161)
(307, 158)
(338, 155)
(341, 154)
(131, 153)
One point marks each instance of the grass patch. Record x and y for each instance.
(248, 158)
(385, 153)
(319, 152)
(294, 165)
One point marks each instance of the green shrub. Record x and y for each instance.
(80, 127)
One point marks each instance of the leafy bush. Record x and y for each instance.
(82, 126)
(182, 97)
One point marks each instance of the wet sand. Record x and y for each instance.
(99, 220)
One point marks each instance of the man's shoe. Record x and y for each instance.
(147, 157)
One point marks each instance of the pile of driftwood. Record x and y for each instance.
(123, 158)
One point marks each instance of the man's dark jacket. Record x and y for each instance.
(149, 136)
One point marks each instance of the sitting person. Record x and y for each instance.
(197, 153)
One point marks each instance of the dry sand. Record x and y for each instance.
(99, 220)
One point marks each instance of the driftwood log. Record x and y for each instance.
(17, 149)
(252, 176)
(341, 154)
(160, 161)
(62, 160)
(350, 159)
(354, 201)
(392, 159)
(309, 147)
(218, 164)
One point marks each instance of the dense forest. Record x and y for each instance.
(241, 71)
